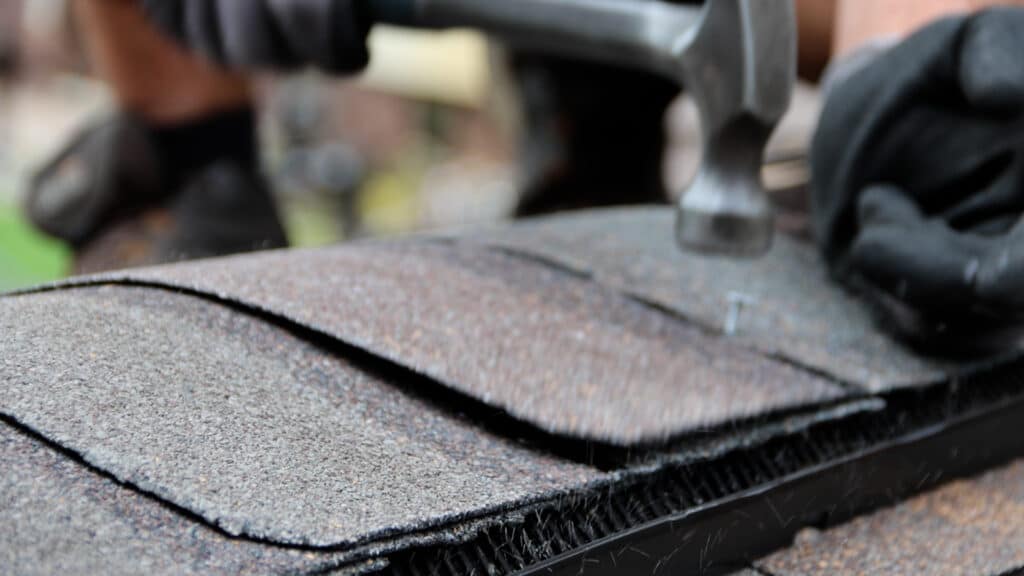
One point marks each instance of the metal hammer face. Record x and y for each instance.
(740, 68)
(736, 57)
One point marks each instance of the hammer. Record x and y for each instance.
(737, 58)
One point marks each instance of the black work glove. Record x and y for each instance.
(918, 176)
(329, 34)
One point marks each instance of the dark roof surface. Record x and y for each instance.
(248, 426)
(795, 311)
(567, 355)
(342, 400)
(59, 517)
(965, 528)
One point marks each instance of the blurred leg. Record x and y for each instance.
(10, 19)
(149, 74)
(174, 174)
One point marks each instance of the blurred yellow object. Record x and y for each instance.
(388, 203)
(449, 67)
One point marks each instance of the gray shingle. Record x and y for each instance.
(250, 427)
(266, 435)
(58, 517)
(564, 354)
(796, 311)
(966, 528)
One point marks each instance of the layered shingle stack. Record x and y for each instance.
(477, 402)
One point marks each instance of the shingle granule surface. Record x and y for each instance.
(966, 528)
(793, 308)
(61, 518)
(591, 326)
(253, 429)
(561, 353)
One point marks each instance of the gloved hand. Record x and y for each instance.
(329, 34)
(918, 175)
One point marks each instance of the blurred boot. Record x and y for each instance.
(125, 194)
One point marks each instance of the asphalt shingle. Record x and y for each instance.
(59, 517)
(966, 528)
(255, 430)
(271, 434)
(564, 354)
(790, 307)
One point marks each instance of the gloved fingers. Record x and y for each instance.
(939, 118)
(941, 156)
(931, 267)
(870, 118)
(887, 205)
(1000, 281)
(996, 200)
(990, 68)
(917, 260)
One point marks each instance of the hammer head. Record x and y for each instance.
(737, 58)
(739, 65)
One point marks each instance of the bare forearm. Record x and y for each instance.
(148, 73)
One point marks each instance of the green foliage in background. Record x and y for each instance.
(26, 256)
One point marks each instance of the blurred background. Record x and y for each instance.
(397, 149)
(391, 151)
